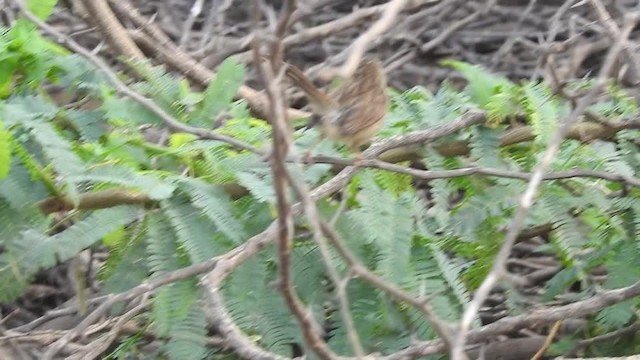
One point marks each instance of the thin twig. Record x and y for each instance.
(477, 170)
(196, 9)
(360, 45)
(282, 140)
(548, 341)
(533, 318)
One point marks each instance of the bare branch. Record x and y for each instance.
(360, 45)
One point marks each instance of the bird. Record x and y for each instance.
(354, 112)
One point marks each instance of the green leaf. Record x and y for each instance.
(128, 111)
(41, 8)
(617, 315)
(58, 150)
(8, 67)
(176, 140)
(543, 109)
(482, 84)
(157, 189)
(5, 151)
(217, 206)
(388, 225)
(220, 91)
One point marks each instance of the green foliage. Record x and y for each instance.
(220, 91)
(435, 238)
(41, 8)
(5, 151)
(490, 92)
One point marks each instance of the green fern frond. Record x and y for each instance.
(216, 205)
(560, 282)
(544, 111)
(77, 73)
(126, 265)
(176, 309)
(88, 123)
(388, 223)
(483, 86)
(159, 84)
(620, 274)
(59, 151)
(154, 187)
(23, 110)
(502, 105)
(161, 245)
(188, 335)
(251, 130)
(567, 234)
(15, 274)
(309, 272)
(448, 104)
(126, 112)
(194, 230)
(5, 151)
(81, 235)
(243, 291)
(395, 183)
(259, 182)
(19, 188)
(616, 316)
(451, 272)
(611, 158)
(409, 111)
(41, 8)
(220, 91)
(485, 147)
(257, 309)
(33, 251)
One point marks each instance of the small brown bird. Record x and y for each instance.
(354, 112)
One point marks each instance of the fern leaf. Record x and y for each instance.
(33, 251)
(126, 264)
(616, 315)
(544, 111)
(5, 151)
(41, 8)
(451, 272)
(567, 235)
(127, 111)
(612, 159)
(482, 84)
(388, 224)
(485, 147)
(19, 189)
(188, 336)
(88, 123)
(162, 86)
(216, 205)
(195, 231)
(58, 150)
(80, 235)
(220, 91)
(156, 189)
(259, 183)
